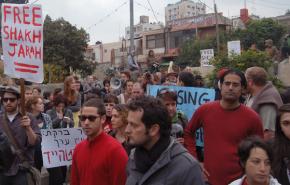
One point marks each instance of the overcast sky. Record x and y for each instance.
(105, 20)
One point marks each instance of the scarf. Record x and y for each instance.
(144, 159)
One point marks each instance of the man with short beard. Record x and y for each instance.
(26, 132)
(225, 123)
(157, 158)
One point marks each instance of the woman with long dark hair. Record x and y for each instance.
(281, 165)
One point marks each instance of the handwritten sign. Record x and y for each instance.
(205, 56)
(188, 100)
(234, 47)
(22, 41)
(58, 145)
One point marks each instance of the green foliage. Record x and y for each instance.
(257, 31)
(190, 51)
(64, 44)
(88, 68)
(53, 73)
(242, 62)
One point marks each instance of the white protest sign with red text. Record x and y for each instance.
(22, 41)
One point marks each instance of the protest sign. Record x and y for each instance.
(58, 145)
(234, 47)
(205, 56)
(22, 41)
(188, 100)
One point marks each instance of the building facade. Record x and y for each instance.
(284, 20)
(143, 26)
(183, 9)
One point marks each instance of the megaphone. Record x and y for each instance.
(115, 83)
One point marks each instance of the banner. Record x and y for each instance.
(188, 100)
(58, 145)
(22, 41)
(234, 47)
(205, 56)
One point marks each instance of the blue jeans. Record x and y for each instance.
(18, 179)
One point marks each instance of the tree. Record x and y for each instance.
(64, 45)
(257, 31)
(190, 51)
(242, 62)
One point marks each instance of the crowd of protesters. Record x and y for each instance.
(136, 139)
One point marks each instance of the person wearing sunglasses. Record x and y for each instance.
(99, 159)
(25, 130)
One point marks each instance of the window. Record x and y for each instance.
(155, 41)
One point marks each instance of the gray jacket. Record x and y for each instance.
(175, 166)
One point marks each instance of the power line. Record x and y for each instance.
(108, 15)
(34, 2)
(146, 8)
(276, 3)
(205, 5)
(267, 6)
(152, 11)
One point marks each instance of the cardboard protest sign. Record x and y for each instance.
(22, 41)
(188, 100)
(58, 145)
(205, 56)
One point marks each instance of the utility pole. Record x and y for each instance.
(131, 27)
(217, 28)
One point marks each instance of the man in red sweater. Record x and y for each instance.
(99, 159)
(225, 124)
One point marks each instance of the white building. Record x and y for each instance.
(183, 9)
(143, 26)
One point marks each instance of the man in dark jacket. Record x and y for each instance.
(157, 158)
(26, 132)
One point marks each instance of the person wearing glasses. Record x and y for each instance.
(157, 157)
(25, 130)
(100, 159)
(225, 124)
